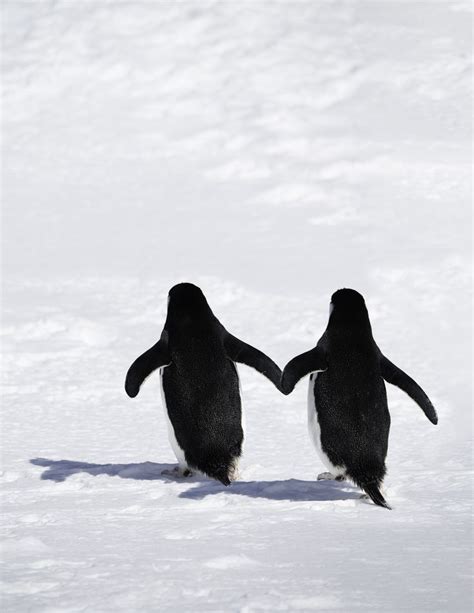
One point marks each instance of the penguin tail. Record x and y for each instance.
(219, 465)
(224, 479)
(373, 491)
(220, 474)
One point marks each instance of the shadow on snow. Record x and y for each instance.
(289, 489)
(60, 470)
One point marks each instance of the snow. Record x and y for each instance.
(270, 153)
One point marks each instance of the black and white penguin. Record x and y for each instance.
(200, 384)
(348, 416)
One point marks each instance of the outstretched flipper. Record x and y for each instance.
(156, 356)
(241, 352)
(392, 374)
(310, 361)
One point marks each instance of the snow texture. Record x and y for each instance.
(270, 152)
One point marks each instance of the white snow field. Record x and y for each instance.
(270, 152)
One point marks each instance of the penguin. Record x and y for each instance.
(348, 416)
(200, 384)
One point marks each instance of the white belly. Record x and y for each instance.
(178, 452)
(315, 430)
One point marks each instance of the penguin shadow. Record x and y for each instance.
(60, 470)
(290, 489)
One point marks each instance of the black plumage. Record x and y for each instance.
(349, 395)
(200, 382)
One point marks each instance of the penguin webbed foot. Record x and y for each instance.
(327, 476)
(177, 472)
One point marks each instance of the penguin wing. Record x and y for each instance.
(392, 374)
(311, 361)
(241, 352)
(156, 356)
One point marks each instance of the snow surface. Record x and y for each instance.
(270, 152)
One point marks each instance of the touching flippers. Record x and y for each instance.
(241, 352)
(144, 365)
(392, 374)
(301, 365)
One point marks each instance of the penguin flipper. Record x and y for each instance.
(241, 352)
(394, 375)
(144, 365)
(301, 365)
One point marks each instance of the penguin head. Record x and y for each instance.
(187, 303)
(348, 308)
(185, 294)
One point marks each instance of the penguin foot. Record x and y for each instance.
(326, 477)
(171, 472)
(364, 497)
(177, 472)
